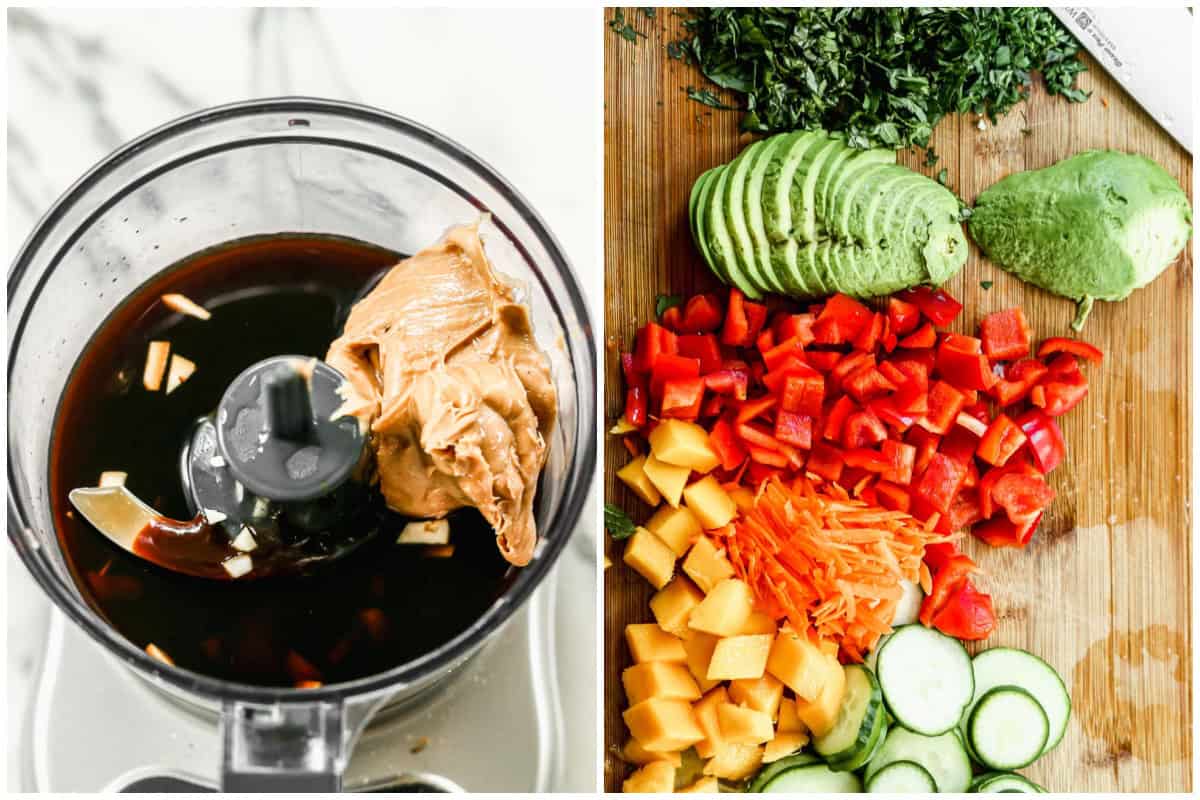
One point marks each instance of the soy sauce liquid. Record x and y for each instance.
(381, 606)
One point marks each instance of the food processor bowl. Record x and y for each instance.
(278, 166)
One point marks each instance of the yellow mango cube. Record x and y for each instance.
(657, 777)
(724, 610)
(784, 744)
(801, 665)
(788, 721)
(759, 622)
(763, 694)
(734, 762)
(673, 606)
(743, 725)
(684, 444)
(699, 649)
(649, 642)
(634, 753)
(739, 657)
(668, 479)
(649, 557)
(658, 679)
(706, 564)
(705, 785)
(819, 715)
(634, 476)
(705, 710)
(663, 725)
(709, 502)
(677, 527)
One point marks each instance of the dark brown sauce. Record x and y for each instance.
(378, 607)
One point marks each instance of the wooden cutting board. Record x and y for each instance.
(1103, 591)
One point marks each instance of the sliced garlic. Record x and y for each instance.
(181, 370)
(212, 516)
(113, 478)
(185, 305)
(245, 541)
(156, 365)
(237, 566)
(429, 531)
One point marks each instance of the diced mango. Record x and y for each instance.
(762, 694)
(657, 777)
(739, 657)
(673, 606)
(668, 479)
(706, 564)
(801, 665)
(743, 498)
(634, 476)
(759, 622)
(735, 761)
(658, 679)
(649, 642)
(820, 714)
(788, 721)
(677, 527)
(634, 753)
(705, 710)
(684, 444)
(724, 610)
(649, 557)
(662, 725)
(744, 725)
(709, 502)
(705, 785)
(699, 648)
(784, 744)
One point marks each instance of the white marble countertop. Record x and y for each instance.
(519, 88)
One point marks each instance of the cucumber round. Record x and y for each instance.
(814, 778)
(926, 678)
(1009, 666)
(943, 756)
(996, 782)
(858, 722)
(902, 777)
(769, 772)
(1007, 728)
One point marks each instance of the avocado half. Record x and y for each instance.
(804, 214)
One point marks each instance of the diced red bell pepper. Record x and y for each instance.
(849, 314)
(672, 318)
(756, 318)
(835, 420)
(960, 361)
(924, 336)
(959, 444)
(669, 367)
(1061, 389)
(636, 404)
(938, 554)
(825, 461)
(972, 424)
(653, 341)
(1022, 496)
(941, 481)
(736, 330)
(823, 360)
(1019, 378)
(794, 365)
(702, 314)
(964, 511)
(937, 306)
(870, 334)
(903, 316)
(728, 382)
(1000, 441)
(1064, 366)
(783, 351)
(629, 370)
(926, 444)
(757, 472)
(682, 398)
(948, 578)
(893, 373)
(863, 429)
(701, 346)
(794, 429)
(795, 326)
(1037, 396)
(756, 407)
(803, 394)
(1018, 464)
(1061, 344)
(866, 383)
(755, 436)
(888, 410)
(891, 496)
(765, 340)
(849, 365)
(900, 458)
(1045, 439)
(1003, 532)
(772, 458)
(1005, 335)
(945, 402)
(726, 445)
(968, 614)
(714, 406)
(866, 459)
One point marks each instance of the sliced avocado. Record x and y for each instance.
(693, 197)
(701, 226)
(735, 217)
(831, 170)
(896, 258)
(752, 206)
(796, 265)
(778, 182)
(856, 260)
(804, 186)
(720, 243)
(925, 243)
(864, 212)
(848, 183)
(828, 271)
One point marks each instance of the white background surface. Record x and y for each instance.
(519, 88)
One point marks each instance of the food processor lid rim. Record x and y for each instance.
(581, 470)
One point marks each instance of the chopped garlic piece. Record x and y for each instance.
(430, 531)
(238, 565)
(156, 652)
(245, 540)
(212, 516)
(184, 305)
(113, 478)
(216, 462)
(156, 365)
(181, 370)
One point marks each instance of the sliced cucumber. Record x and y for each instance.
(1008, 666)
(909, 606)
(815, 778)
(926, 679)
(858, 721)
(943, 757)
(769, 772)
(996, 782)
(902, 777)
(1007, 728)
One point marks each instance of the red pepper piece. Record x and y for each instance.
(726, 445)
(629, 369)
(756, 407)
(948, 578)
(835, 420)
(866, 383)
(772, 458)
(795, 326)
(756, 473)
(959, 444)
(682, 398)
(714, 406)
(939, 553)
(765, 341)
(1019, 378)
(777, 355)
(652, 341)
(1022, 496)
(866, 459)
(1003, 532)
(776, 378)
(926, 444)
(889, 411)
(1062, 387)
(1061, 344)
(823, 360)
(937, 306)
(755, 436)
(803, 394)
(1045, 439)
(702, 314)
(900, 459)
(825, 461)
(891, 496)
(1001, 440)
(672, 318)
(728, 382)
(702, 346)
(964, 511)
(968, 614)
(849, 314)
(961, 362)
(903, 316)
(1005, 335)
(941, 481)
(851, 364)
(736, 330)
(794, 429)
(945, 402)
(924, 336)
(1018, 464)
(870, 334)
(893, 373)
(863, 429)
(756, 318)
(669, 367)
(636, 404)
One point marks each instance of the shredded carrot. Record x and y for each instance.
(829, 564)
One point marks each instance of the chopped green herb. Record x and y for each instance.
(985, 285)
(665, 301)
(707, 98)
(677, 51)
(931, 157)
(619, 26)
(617, 522)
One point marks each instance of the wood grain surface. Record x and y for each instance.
(1103, 591)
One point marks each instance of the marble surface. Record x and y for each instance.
(519, 88)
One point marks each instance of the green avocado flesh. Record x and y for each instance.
(1094, 226)
(804, 214)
